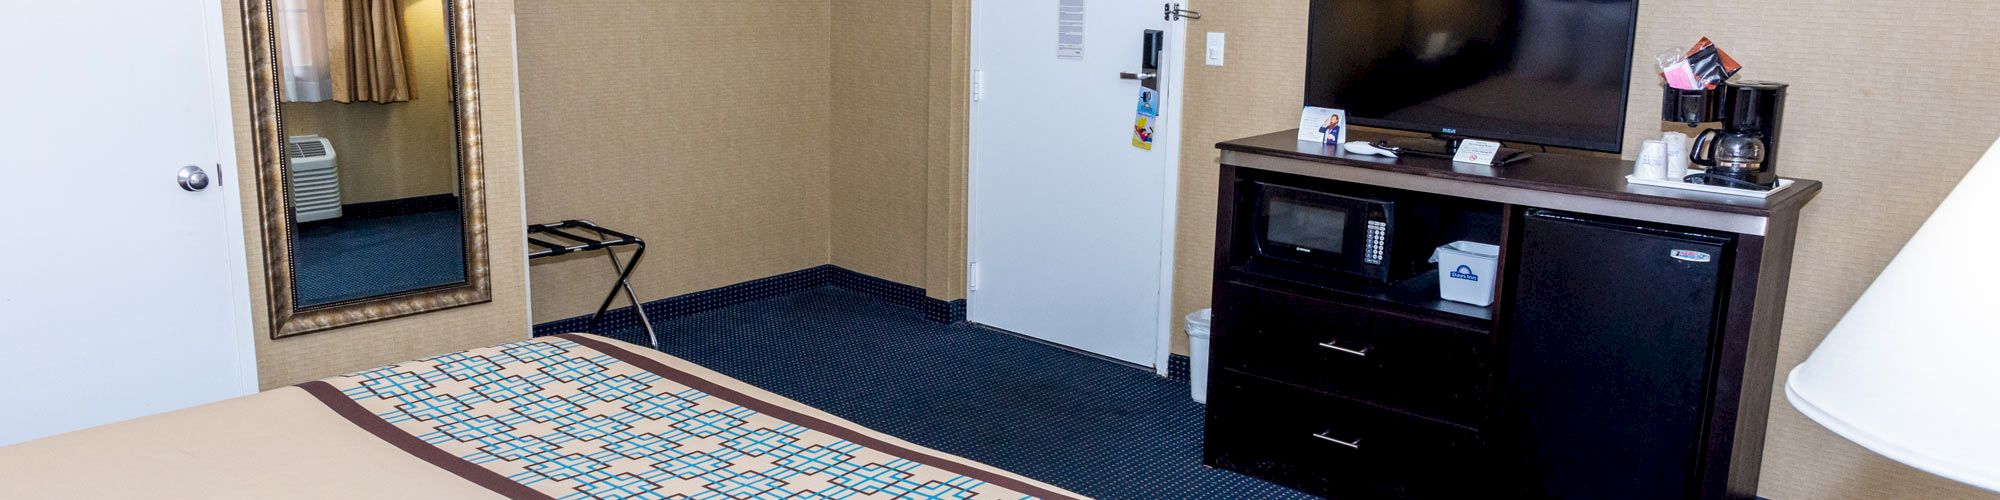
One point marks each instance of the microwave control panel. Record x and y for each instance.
(1378, 236)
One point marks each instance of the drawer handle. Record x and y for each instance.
(1363, 352)
(1355, 444)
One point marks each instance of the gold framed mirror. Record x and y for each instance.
(369, 165)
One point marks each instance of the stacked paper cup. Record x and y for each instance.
(1652, 164)
(1677, 155)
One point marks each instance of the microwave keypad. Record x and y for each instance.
(1378, 235)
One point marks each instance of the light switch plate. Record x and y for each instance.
(1215, 49)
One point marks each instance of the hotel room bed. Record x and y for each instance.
(570, 416)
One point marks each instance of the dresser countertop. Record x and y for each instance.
(1587, 176)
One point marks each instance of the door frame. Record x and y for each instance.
(1168, 133)
(236, 254)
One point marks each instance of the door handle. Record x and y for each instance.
(192, 178)
(1138, 76)
(1362, 352)
(1354, 444)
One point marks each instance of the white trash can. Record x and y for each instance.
(1197, 330)
(1467, 271)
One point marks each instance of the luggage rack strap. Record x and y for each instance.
(568, 242)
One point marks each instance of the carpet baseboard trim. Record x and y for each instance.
(937, 310)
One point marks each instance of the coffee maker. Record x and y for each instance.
(1743, 153)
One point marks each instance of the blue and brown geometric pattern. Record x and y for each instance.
(571, 421)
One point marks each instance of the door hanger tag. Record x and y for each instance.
(1148, 118)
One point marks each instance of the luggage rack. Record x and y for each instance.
(568, 237)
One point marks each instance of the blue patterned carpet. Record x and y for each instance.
(1092, 426)
(345, 259)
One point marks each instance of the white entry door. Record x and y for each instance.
(121, 293)
(1069, 220)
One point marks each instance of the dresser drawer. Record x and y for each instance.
(1337, 448)
(1391, 360)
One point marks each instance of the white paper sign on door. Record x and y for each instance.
(1069, 30)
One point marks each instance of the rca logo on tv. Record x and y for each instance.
(1464, 273)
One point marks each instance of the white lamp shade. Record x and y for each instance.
(1913, 371)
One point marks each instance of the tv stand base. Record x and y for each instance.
(1445, 146)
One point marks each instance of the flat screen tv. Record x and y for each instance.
(1547, 72)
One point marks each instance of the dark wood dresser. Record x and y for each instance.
(1354, 389)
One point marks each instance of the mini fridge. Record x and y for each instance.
(1610, 345)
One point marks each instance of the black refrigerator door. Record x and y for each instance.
(1608, 357)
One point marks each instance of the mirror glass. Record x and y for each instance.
(373, 168)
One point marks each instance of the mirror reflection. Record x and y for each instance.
(373, 171)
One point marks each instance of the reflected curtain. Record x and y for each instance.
(305, 65)
(344, 51)
(377, 69)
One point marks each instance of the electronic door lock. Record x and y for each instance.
(1153, 42)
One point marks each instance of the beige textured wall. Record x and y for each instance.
(748, 140)
(949, 104)
(1864, 73)
(899, 138)
(1258, 92)
(879, 171)
(401, 150)
(298, 359)
(701, 126)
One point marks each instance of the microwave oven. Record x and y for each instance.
(1378, 235)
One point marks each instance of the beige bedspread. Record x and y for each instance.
(570, 416)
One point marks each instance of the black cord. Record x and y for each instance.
(1518, 156)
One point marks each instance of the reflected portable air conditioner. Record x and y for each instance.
(315, 179)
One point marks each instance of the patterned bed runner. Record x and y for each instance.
(577, 417)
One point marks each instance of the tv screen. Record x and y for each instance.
(1548, 72)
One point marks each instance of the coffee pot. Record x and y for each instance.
(1728, 151)
(1744, 152)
